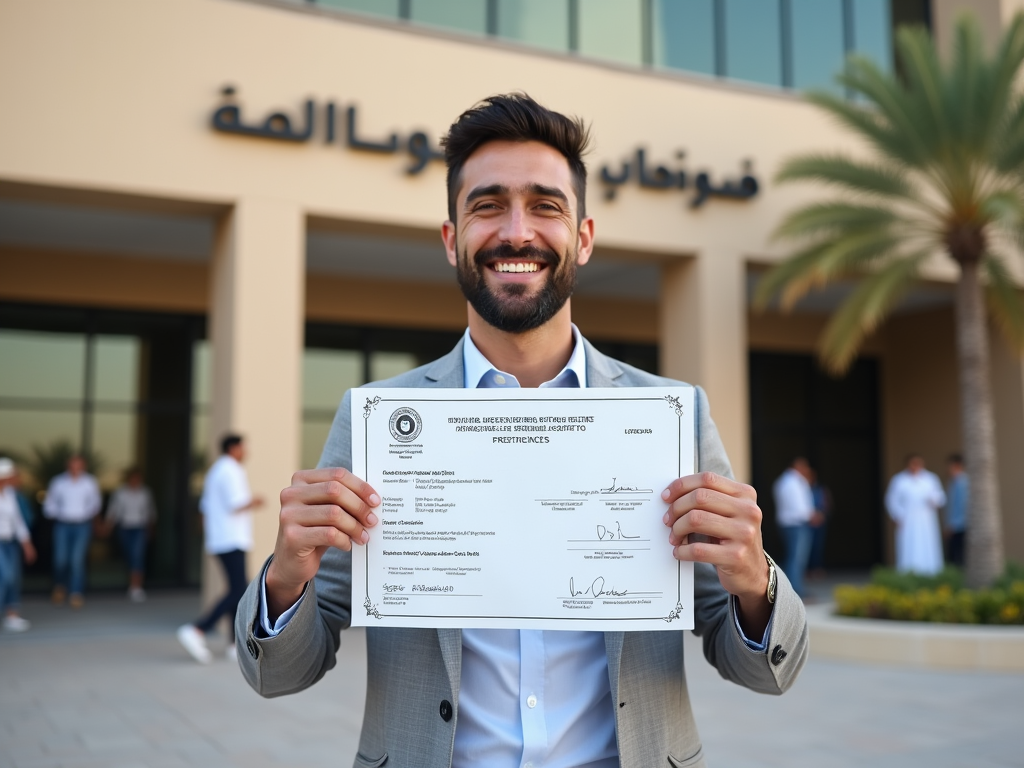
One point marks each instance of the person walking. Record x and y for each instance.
(227, 524)
(72, 501)
(15, 541)
(955, 523)
(794, 512)
(913, 500)
(132, 511)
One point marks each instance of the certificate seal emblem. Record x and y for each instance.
(405, 425)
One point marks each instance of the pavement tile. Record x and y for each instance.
(111, 687)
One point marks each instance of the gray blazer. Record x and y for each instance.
(413, 674)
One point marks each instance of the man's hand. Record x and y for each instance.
(28, 552)
(727, 512)
(321, 508)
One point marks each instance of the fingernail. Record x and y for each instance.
(665, 519)
(364, 537)
(664, 494)
(371, 519)
(374, 500)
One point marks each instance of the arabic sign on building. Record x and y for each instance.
(281, 127)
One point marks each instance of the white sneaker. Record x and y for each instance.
(137, 595)
(14, 623)
(232, 652)
(195, 643)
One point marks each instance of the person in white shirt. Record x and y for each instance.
(227, 525)
(72, 501)
(913, 501)
(14, 542)
(132, 511)
(794, 514)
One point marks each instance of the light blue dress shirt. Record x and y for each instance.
(529, 697)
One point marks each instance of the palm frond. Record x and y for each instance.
(866, 307)
(842, 171)
(1005, 301)
(834, 217)
(821, 263)
(921, 103)
(1005, 68)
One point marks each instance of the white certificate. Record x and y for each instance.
(522, 508)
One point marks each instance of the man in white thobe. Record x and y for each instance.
(913, 501)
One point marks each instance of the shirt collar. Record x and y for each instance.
(479, 373)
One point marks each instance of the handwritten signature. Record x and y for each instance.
(613, 488)
(604, 533)
(596, 589)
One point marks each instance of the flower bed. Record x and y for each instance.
(940, 598)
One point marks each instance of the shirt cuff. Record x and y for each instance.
(282, 620)
(753, 645)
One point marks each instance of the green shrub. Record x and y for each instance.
(939, 598)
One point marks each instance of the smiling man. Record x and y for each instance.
(517, 232)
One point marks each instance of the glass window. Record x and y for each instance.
(817, 43)
(612, 29)
(753, 46)
(326, 375)
(464, 15)
(684, 35)
(29, 436)
(38, 364)
(872, 31)
(114, 440)
(384, 365)
(117, 368)
(544, 23)
(376, 7)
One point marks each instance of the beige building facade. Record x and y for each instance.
(252, 167)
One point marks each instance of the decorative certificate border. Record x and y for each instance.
(370, 407)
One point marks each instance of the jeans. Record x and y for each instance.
(10, 574)
(234, 568)
(70, 547)
(133, 547)
(797, 541)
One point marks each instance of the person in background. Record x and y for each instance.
(227, 524)
(955, 523)
(132, 510)
(794, 511)
(15, 541)
(819, 526)
(72, 501)
(913, 500)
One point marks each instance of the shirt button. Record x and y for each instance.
(499, 379)
(531, 701)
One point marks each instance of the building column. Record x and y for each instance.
(256, 314)
(703, 340)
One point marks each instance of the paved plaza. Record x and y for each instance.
(109, 687)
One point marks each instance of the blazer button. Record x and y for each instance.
(254, 650)
(778, 655)
(446, 710)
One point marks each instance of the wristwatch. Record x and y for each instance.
(773, 578)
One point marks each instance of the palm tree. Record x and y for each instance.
(947, 176)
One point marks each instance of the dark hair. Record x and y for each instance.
(955, 458)
(131, 472)
(229, 441)
(515, 117)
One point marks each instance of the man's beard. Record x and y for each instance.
(511, 310)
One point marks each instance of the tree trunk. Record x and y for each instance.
(985, 559)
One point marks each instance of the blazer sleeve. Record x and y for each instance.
(771, 671)
(306, 648)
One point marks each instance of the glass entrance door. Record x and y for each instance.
(116, 387)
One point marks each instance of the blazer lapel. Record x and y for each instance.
(602, 371)
(448, 371)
